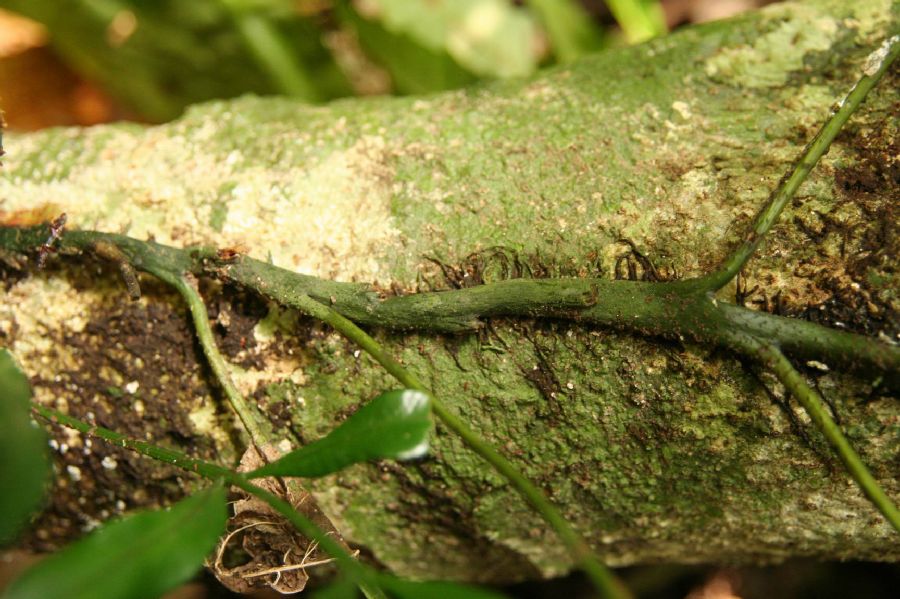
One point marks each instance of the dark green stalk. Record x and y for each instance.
(680, 309)
(674, 309)
(809, 341)
(604, 580)
(348, 565)
(873, 70)
(770, 357)
(447, 311)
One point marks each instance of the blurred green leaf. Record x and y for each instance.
(407, 589)
(488, 38)
(272, 50)
(640, 20)
(341, 589)
(394, 425)
(23, 447)
(571, 30)
(414, 68)
(140, 556)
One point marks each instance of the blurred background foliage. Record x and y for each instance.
(149, 59)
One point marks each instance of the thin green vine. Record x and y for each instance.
(772, 358)
(604, 580)
(257, 427)
(767, 352)
(874, 69)
(348, 565)
(602, 577)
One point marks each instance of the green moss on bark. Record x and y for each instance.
(655, 450)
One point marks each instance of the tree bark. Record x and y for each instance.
(646, 162)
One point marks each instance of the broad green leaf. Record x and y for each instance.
(490, 38)
(393, 425)
(23, 447)
(140, 556)
(407, 589)
(414, 68)
(570, 28)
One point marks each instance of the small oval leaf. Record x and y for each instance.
(394, 425)
(23, 445)
(140, 556)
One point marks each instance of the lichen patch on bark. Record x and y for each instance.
(327, 216)
(36, 313)
(840, 237)
(769, 60)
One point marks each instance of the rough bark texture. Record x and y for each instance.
(658, 154)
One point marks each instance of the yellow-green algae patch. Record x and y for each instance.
(770, 59)
(35, 313)
(328, 216)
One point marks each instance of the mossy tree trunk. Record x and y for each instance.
(646, 162)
